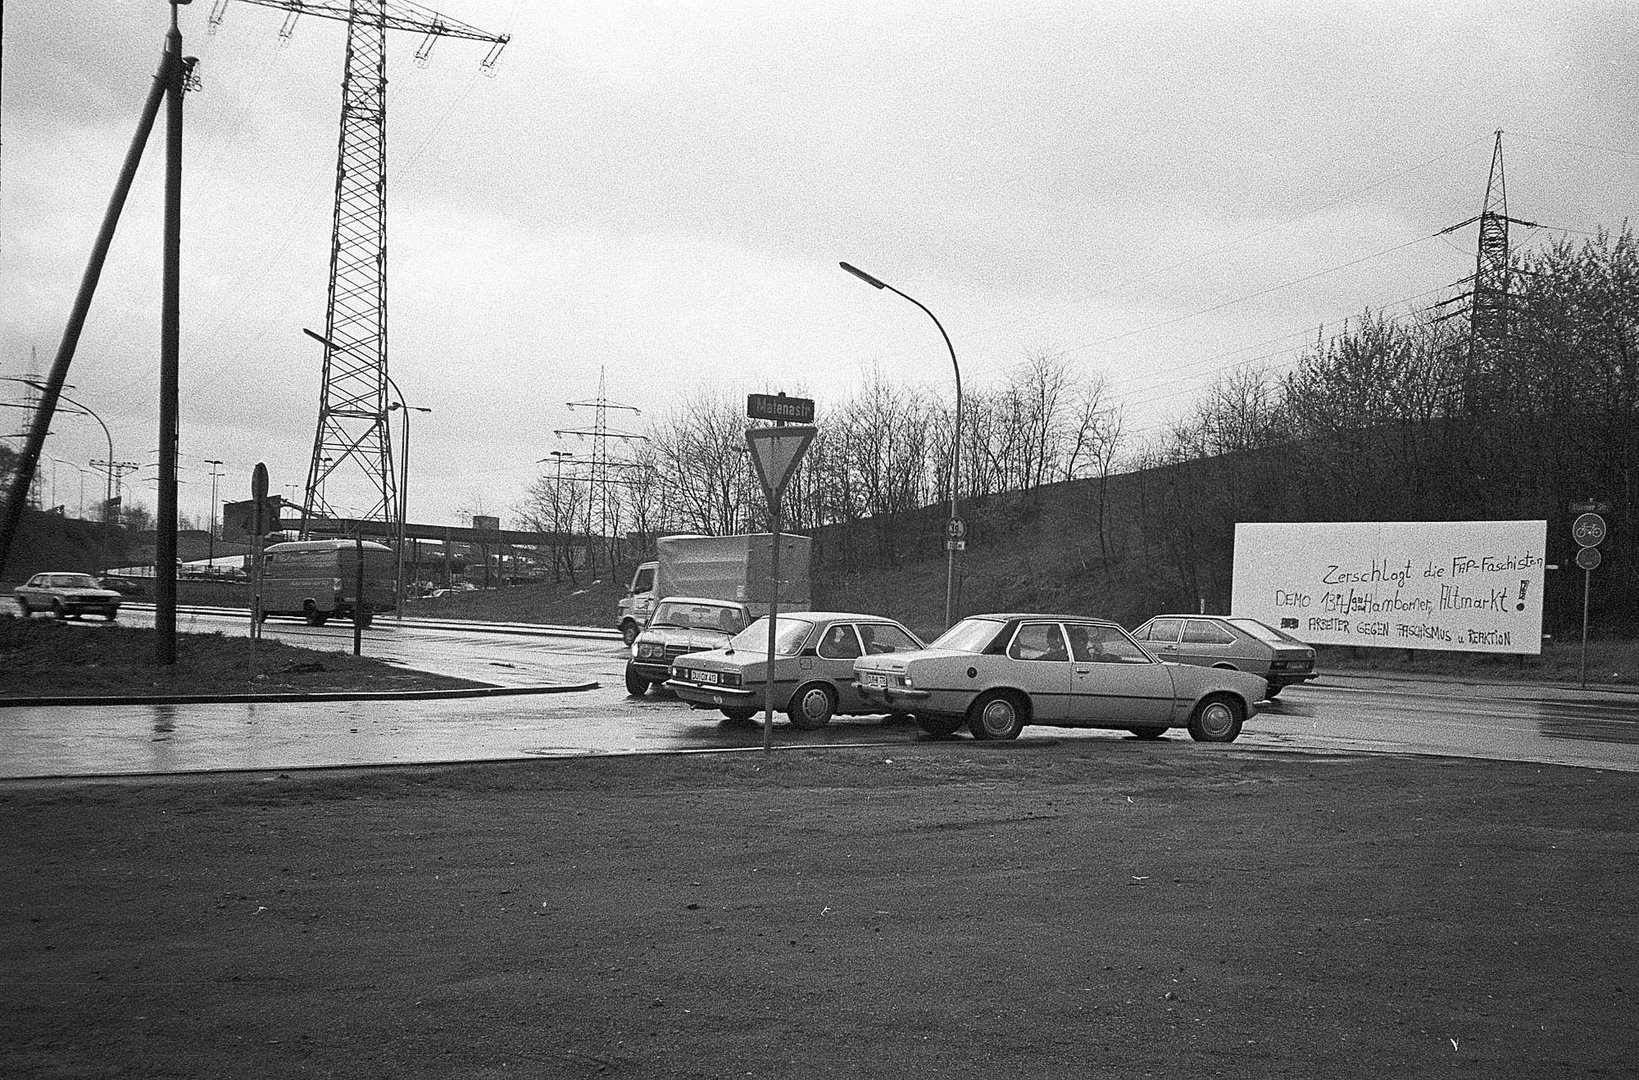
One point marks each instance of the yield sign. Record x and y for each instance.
(776, 451)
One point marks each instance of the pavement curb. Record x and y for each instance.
(336, 695)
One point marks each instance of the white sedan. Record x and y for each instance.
(998, 673)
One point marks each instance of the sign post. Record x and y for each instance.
(258, 498)
(775, 451)
(1588, 530)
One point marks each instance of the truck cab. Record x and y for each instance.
(638, 603)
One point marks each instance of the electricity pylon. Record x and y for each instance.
(353, 428)
(1490, 309)
(599, 479)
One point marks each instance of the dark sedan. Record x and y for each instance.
(1228, 641)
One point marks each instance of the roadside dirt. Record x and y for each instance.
(1043, 909)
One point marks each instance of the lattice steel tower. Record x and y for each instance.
(600, 479)
(1490, 295)
(353, 429)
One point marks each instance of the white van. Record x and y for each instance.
(317, 579)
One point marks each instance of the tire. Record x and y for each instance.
(628, 632)
(739, 715)
(636, 685)
(57, 610)
(368, 619)
(812, 706)
(1149, 734)
(1273, 692)
(22, 607)
(1218, 719)
(997, 715)
(939, 727)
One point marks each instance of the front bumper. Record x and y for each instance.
(705, 696)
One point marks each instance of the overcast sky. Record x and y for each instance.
(659, 194)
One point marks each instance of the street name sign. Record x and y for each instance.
(779, 408)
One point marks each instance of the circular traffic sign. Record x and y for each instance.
(1588, 558)
(955, 529)
(1588, 530)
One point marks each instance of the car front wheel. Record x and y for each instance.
(22, 607)
(996, 715)
(1217, 719)
(811, 706)
(636, 685)
(738, 714)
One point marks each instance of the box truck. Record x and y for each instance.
(720, 568)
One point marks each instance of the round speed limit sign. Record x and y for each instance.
(1588, 558)
(1588, 530)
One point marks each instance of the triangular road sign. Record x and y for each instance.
(776, 450)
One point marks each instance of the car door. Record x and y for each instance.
(1162, 637)
(834, 655)
(1042, 668)
(1114, 681)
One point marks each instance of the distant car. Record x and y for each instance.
(1228, 641)
(814, 654)
(680, 625)
(67, 596)
(1000, 673)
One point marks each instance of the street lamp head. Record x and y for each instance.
(863, 276)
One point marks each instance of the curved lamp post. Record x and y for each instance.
(955, 443)
(108, 491)
(403, 482)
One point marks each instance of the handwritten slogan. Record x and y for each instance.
(1470, 586)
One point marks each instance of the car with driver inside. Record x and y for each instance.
(680, 625)
(814, 654)
(1000, 673)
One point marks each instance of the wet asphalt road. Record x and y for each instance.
(1343, 715)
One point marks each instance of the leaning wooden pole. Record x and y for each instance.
(52, 389)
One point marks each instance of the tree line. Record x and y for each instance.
(1393, 419)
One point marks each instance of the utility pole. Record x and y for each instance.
(215, 465)
(353, 404)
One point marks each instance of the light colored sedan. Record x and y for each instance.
(814, 654)
(67, 596)
(999, 673)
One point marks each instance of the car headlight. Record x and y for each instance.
(905, 682)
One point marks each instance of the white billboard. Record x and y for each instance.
(1471, 586)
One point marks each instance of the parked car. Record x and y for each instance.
(814, 654)
(680, 625)
(67, 596)
(1000, 673)
(1227, 641)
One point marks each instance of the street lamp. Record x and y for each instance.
(108, 494)
(953, 534)
(403, 483)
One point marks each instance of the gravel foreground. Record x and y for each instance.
(1039, 909)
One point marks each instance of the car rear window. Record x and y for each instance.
(1205, 632)
(1266, 634)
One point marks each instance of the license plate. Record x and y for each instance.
(876, 679)
(705, 677)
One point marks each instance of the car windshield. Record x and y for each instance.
(969, 635)
(789, 636)
(75, 581)
(1266, 634)
(698, 617)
